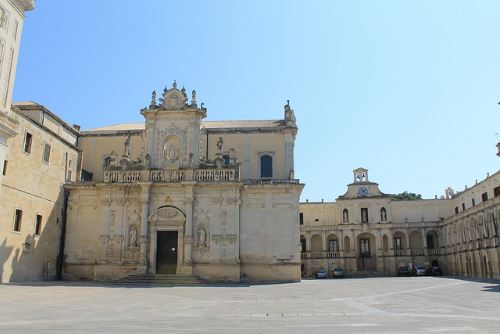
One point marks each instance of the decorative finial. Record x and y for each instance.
(174, 84)
(183, 90)
(287, 105)
(193, 97)
(153, 99)
(165, 89)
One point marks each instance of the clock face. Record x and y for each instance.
(362, 191)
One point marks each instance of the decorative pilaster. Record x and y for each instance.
(143, 238)
(188, 236)
(104, 229)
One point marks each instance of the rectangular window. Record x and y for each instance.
(38, 224)
(4, 171)
(69, 175)
(301, 218)
(364, 215)
(484, 197)
(463, 206)
(364, 246)
(18, 220)
(496, 191)
(456, 210)
(46, 153)
(473, 202)
(332, 246)
(28, 138)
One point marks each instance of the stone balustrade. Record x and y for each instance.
(399, 252)
(434, 252)
(416, 252)
(319, 255)
(176, 175)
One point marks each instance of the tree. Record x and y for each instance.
(406, 196)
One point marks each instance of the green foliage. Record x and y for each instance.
(406, 196)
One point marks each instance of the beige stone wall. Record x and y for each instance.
(95, 148)
(35, 187)
(249, 147)
(256, 244)
(270, 231)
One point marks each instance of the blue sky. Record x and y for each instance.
(406, 89)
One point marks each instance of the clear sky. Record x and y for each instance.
(406, 89)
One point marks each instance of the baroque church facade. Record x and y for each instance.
(178, 195)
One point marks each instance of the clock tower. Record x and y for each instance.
(361, 187)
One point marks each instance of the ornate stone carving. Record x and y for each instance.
(224, 239)
(171, 149)
(167, 213)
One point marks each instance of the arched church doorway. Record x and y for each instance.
(166, 233)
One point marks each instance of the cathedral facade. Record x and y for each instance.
(179, 195)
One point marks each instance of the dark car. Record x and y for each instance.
(436, 271)
(404, 271)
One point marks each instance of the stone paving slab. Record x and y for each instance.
(367, 305)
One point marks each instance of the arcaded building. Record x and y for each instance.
(367, 232)
(179, 195)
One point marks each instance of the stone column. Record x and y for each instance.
(289, 161)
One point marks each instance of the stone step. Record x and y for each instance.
(160, 279)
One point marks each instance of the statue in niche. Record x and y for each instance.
(202, 237)
(132, 240)
(383, 215)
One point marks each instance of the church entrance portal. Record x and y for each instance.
(166, 252)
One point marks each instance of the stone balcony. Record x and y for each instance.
(170, 176)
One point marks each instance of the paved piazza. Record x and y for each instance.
(370, 305)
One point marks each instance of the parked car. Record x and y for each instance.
(404, 271)
(338, 272)
(420, 270)
(436, 271)
(322, 274)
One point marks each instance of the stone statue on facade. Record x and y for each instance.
(132, 237)
(193, 98)
(202, 237)
(220, 142)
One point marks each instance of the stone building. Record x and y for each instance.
(183, 196)
(42, 157)
(368, 232)
(11, 25)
